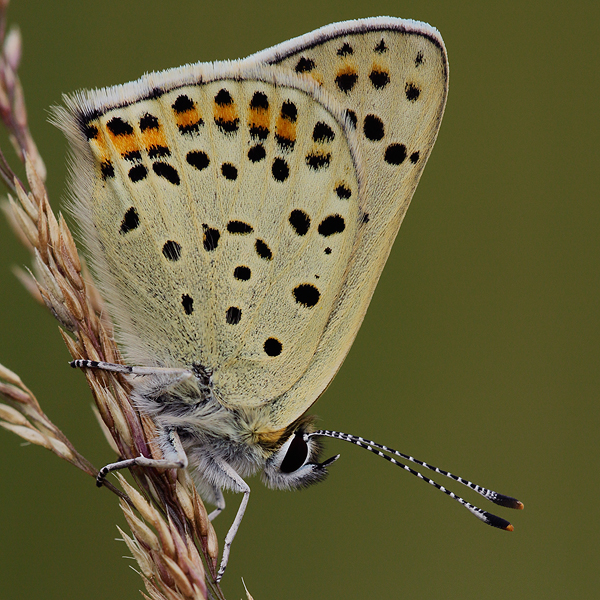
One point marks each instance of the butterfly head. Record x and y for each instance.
(295, 463)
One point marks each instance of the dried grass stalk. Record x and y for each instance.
(172, 539)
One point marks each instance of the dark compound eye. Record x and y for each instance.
(295, 456)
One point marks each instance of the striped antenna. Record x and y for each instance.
(495, 497)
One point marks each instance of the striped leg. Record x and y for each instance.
(175, 458)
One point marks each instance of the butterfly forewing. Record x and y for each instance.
(225, 214)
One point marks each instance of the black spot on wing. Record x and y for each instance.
(280, 170)
(346, 80)
(233, 315)
(373, 128)
(345, 50)
(381, 47)
(318, 160)
(188, 304)
(107, 170)
(132, 156)
(148, 121)
(289, 111)
(379, 78)
(300, 222)
(166, 171)
(172, 251)
(343, 191)
(259, 100)
(263, 250)
(229, 171)
(331, 225)
(322, 133)
(257, 153)
(395, 154)
(182, 104)
(242, 273)
(197, 159)
(118, 126)
(304, 65)
(137, 173)
(223, 98)
(158, 152)
(90, 132)
(239, 227)
(272, 347)
(306, 294)
(211, 238)
(412, 92)
(131, 220)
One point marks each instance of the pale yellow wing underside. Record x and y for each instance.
(220, 218)
(391, 78)
(238, 215)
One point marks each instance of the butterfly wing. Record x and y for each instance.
(390, 76)
(219, 206)
(238, 215)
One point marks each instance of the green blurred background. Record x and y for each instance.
(479, 352)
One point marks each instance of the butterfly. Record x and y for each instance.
(237, 217)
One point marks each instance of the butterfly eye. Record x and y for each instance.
(296, 455)
(295, 464)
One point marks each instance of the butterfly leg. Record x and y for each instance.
(175, 458)
(239, 485)
(128, 369)
(219, 502)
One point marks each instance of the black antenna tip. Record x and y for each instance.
(498, 522)
(507, 502)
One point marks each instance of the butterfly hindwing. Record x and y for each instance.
(390, 77)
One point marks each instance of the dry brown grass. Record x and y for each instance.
(171, 538)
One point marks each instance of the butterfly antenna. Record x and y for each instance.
(483, 515)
